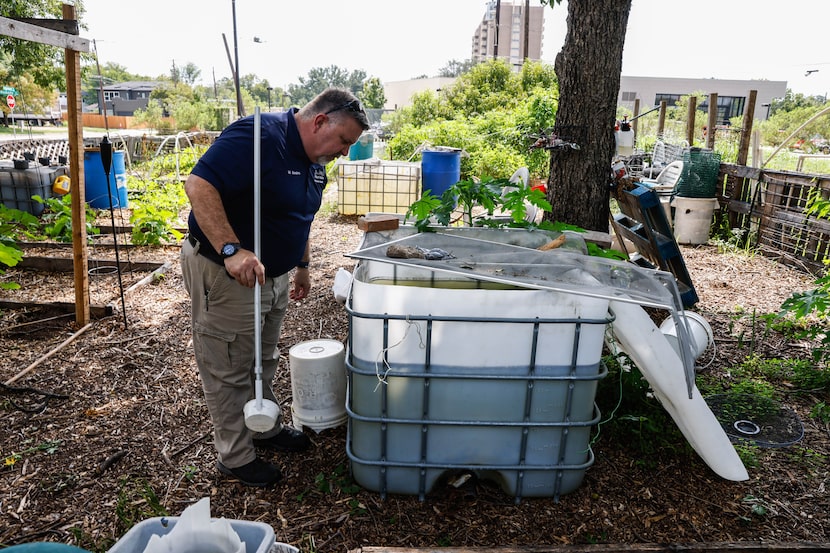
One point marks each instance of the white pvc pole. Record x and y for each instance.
(257, 238)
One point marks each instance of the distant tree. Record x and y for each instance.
(258, 90)
(425, 107)
(494, 124)
(372, 94)
(455, 68)
(537, 74)
(31, 98)
(119, 74)
(320, 78)
(152, 116)
(487, 86)
(785, 122)
(793, 101)
(43, 64)
(188, 74)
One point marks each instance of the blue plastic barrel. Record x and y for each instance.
(363, 148)
(440, 169)
(96, 180)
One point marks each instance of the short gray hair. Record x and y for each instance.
(336, 101)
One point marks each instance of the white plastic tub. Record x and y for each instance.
(258, 537)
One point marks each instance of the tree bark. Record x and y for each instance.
(588, 68)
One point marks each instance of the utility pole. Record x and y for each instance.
(496, 41)
(239, 107)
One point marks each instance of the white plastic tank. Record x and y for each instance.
(445, 371)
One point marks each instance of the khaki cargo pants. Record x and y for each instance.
(223, 342)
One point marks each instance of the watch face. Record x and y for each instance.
(229, 249)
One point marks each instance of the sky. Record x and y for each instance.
(394, 41)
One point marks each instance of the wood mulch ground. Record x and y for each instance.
(125, 435)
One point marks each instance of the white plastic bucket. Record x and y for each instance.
(318, 384)
(699, 332)
(693, 219)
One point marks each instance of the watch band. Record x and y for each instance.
(302, 265)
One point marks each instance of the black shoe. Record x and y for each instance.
(256, 473)
(288, 439)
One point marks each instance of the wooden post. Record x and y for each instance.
(76, 172)
(746, 130)
(661, 119)
(73, 45)
(713, 120)
(738, 188)
(690, 121)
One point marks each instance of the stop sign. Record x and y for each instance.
(10, 101)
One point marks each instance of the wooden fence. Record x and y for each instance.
(770, 206)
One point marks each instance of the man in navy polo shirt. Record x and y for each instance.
(220, 268)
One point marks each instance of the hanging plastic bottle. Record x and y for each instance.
(625, 139)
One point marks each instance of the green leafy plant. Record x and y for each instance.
(821, 412)
(49, 447)
(58, 218)
(136, 501)
(151, 226)
(812, 310)
(474, 202)
(189, 472)
(12, 222)
(757, 506)
(748, 453)
(464, 196)
(635, 417)
(338, 481)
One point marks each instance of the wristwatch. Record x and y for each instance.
(302, 265)
(229, 249)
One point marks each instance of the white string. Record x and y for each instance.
(381, 358)
(712, 360)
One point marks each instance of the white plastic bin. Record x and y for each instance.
(258, 537)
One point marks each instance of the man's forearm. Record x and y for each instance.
(209, 212)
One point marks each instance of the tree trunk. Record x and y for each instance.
(588, 68)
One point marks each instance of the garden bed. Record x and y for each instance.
(125, 435)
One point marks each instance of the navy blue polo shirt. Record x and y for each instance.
(291, 188)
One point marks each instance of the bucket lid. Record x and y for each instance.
(316, 349)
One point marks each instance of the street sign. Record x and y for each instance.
(8, 90)
(10, 101)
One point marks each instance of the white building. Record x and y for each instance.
(732, 94)
(399, 93)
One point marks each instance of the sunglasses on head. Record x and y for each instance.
(353, 106)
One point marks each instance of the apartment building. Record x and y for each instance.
(510, 30)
